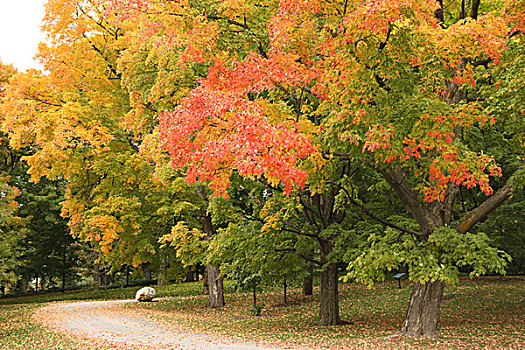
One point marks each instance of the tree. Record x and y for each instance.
(162, 64)
(49, 249)
(73, 120)
(11, 236)
(392, 79)
(11, 229)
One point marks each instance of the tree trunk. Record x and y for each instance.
(206, 287)
(474, 9)
(64, 253)
(212, 273)
(63, 281)
(127, 275)
(329, 310)
(96, 276)
(440, 14)
(215, 286)
(190, 276)
(254, 294)
(423, 310)
(285, 285)
(161, 279)
(147, 273)
(308, 282)
(104, 277)
(105, 282)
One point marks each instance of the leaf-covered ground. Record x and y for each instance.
(486, 313)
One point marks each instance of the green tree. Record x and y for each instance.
(49, 249)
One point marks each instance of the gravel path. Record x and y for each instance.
(105, 320)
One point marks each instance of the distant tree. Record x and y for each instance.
(50, 251)
(11, 227)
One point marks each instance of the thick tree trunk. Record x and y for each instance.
(96, 276)
(329, 309)
(423, 310)
(215, 286)
(308, 282)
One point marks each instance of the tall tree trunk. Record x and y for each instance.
(127, 275)
(96, 276)
(329, 309)
(161, 279)
(308, 282)
(212, 273)
(423, 310)
(215, 286)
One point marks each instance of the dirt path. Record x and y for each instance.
(105, 320)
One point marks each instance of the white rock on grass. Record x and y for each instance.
(145, 294)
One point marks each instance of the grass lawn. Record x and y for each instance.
(486, 313)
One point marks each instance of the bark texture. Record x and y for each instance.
(319, 211)
(329, 310)
(215, 286)
(308, 284)
(423, 310)
(212, 274)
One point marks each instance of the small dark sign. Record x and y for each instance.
(397, 277)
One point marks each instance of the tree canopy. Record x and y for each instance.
(262, 137)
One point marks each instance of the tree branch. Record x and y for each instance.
(480, 213)
(377, 218)
(298, 230)
(302, 255)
